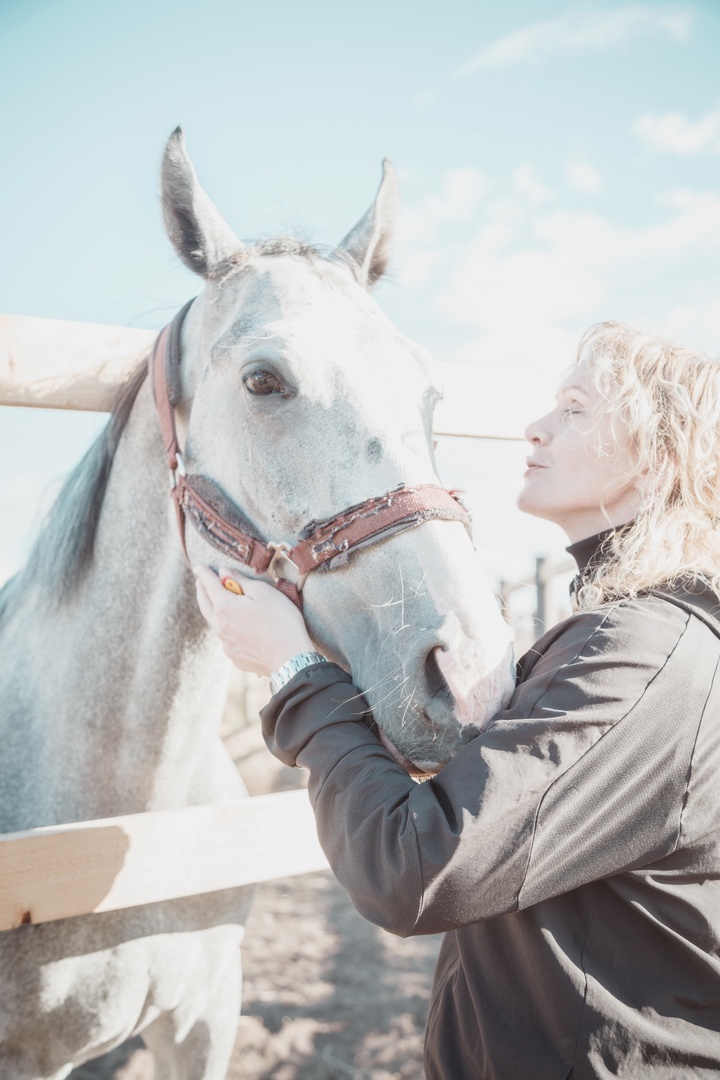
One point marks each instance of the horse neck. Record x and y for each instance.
(129, 682)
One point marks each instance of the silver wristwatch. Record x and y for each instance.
(291, 667)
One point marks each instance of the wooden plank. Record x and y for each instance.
(50, 363)
(92, 866)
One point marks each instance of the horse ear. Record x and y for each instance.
(199, 233)
(368, 243)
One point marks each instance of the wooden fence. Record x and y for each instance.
(92, 866)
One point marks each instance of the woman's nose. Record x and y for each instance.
(537, 431)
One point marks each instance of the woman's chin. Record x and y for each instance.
(525, 502)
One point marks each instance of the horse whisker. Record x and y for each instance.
(420, 584)
(409, 700)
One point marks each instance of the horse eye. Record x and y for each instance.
(261, 383)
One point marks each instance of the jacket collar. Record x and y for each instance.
(589, 551)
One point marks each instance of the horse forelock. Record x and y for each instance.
(64, 546)
(284, 245)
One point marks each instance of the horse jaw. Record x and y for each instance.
(426, 642)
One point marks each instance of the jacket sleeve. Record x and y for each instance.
(581, 777)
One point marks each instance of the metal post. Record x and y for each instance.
(541, 595)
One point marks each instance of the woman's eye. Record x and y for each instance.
(261, 383)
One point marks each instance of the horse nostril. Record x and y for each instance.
(435, 679)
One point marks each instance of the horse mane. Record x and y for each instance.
(64, 546)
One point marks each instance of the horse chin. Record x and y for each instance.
(418, 770)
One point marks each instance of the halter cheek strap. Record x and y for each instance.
(322, 545)
(166, 391)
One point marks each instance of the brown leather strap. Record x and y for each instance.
(323, 544)
(165, 373)
(328, 543)
(166, 414)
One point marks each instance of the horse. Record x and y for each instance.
(296, 397)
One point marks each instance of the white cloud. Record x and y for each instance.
(526, 278)
(565, 265)
(416, 270)
(526, 182)
(674, 133)
(579, 30)
(463, 189)
(697, 323)
(583, 177)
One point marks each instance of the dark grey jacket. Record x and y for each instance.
(571, 851)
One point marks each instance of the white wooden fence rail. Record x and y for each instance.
(48, 363)
(93, 866)
(121, 862)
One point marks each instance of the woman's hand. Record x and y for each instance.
(259, 630)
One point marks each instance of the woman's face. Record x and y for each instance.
(579, 475)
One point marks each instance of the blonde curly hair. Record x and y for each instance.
(663, 403)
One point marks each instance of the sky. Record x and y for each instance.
(559, 165)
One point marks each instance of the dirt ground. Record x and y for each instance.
(343, 999)
(326, 995)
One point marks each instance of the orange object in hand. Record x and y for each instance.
(232, 586)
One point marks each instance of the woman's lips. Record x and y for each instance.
(532, 466)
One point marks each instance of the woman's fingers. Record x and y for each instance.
(212, 586)
(259, 627)
(204, 601)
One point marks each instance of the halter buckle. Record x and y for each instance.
(281, 563)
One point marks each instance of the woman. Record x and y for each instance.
(571, 852)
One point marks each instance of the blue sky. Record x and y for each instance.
(559, 164)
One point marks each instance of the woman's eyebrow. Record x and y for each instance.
(572, 389)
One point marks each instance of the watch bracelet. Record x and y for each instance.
(284, 674)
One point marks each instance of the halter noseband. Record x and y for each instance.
(321, 545)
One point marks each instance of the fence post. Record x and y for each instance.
(541, 595)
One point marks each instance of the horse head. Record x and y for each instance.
(299, 398)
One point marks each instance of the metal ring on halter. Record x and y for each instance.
(280, 552)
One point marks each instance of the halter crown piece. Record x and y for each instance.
(321, 545)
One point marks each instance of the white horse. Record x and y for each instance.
(297, 397)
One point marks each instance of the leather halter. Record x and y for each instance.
(322, 545)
